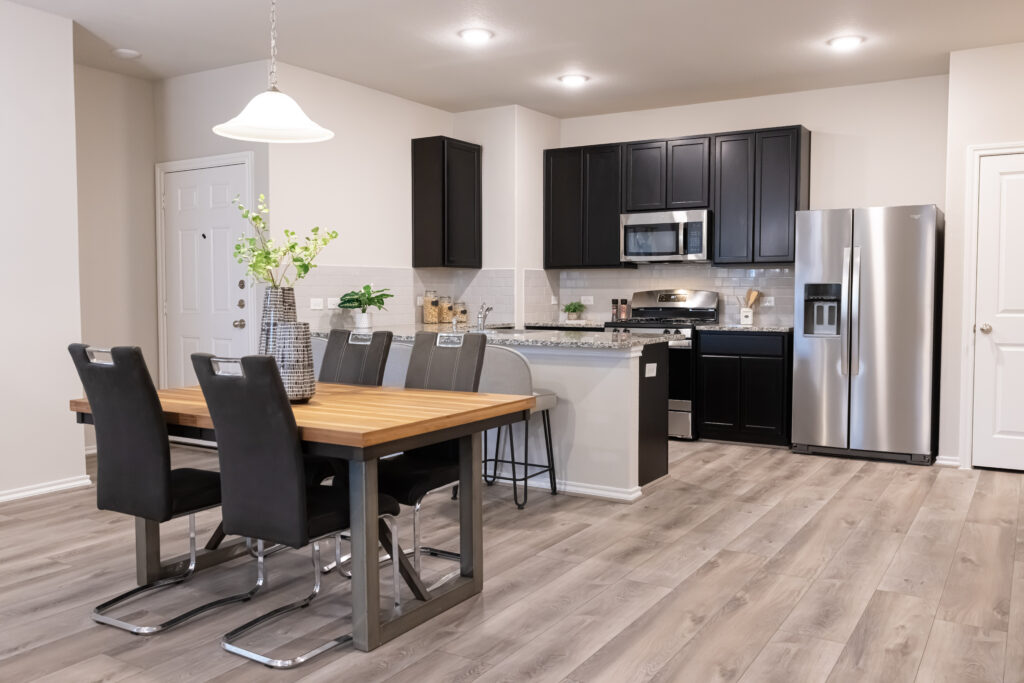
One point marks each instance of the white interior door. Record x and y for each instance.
(999, 332)
(207, 306)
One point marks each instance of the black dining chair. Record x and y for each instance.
(264, 489)
(349, 358)
(448, 362)
(133, 466)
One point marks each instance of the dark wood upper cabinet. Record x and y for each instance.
(734, 198)
(689, 173)
(762, 178)
(644, 183)
(446, 203)
(782, 185)
(563, 208)
(581, 206)
(601, 172)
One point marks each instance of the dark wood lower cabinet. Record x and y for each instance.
(744, 382)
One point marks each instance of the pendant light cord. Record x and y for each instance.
(273, 45)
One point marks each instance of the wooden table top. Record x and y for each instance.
(348, 415)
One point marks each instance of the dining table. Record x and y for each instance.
(360, 425)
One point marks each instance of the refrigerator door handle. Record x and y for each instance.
(855, 315)
(844, 308)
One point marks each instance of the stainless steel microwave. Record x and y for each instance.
(665, 236)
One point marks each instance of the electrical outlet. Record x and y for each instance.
(419, 301)
(587, 300)
(332, 302)
(554, 300)
(316, 304)
(768, 302)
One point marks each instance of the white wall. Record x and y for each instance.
(40, 443)
(986, 105)
(871, 145)
(360, 182)
(116, 232)
(535, 132)
(187, 108)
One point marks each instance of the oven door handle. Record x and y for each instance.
(681, 344)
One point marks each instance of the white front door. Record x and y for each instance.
(999, 329)
(207, 306)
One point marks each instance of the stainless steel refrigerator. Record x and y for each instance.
(867, 332)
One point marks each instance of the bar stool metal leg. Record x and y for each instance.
(99, 613)
(546, 419)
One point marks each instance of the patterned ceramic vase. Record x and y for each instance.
(278, 307)
(293, 352)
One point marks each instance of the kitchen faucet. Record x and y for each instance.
(481, 316)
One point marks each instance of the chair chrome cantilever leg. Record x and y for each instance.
(99, 613)
(418, 550)
(228, 641)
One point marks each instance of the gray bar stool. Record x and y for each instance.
(506, 371)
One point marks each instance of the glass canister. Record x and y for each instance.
(445, 314)
(460, 312)
(431, 306)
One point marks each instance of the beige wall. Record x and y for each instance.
(871, 145)
(360, 182)
(116, 233)
(986, 105)
(187, 107)
(40, 444)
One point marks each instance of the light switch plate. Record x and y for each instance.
(419, 301)
(650, 369)
(587, 300)
(554, 300)
(316, 304)
(332, 302)
(768, 302)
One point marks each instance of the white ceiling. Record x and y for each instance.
(639, 53)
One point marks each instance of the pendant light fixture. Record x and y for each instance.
(272, 116)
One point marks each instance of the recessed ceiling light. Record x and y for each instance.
(573, 80)
(126, 53)
(476, 36)
(846, 43)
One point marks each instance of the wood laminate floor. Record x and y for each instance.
(745, 564)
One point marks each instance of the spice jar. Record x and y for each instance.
(445, 314)
(460, 312)
(430, 306)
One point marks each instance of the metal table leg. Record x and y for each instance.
(149, 567)
(362, 488)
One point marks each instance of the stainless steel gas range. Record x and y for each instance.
(673, 312)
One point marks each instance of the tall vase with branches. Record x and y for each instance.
(278, 264)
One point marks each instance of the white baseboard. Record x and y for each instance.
(45, 487)
(613, 493)
(948, 461)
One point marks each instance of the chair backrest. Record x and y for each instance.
(450, 366)
(506, 371)
(398, 364)
(133, 456)
(355, 359)
(319, 346)
(262, 479)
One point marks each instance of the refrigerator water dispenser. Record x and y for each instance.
(821, 310)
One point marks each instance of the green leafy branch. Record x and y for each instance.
(269, 262)
(364, 298)
(574, 307)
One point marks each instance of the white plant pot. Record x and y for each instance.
(363, 323)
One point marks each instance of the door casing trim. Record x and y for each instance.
(975, 155)
(245, 159)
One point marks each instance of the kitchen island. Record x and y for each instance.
(610, 427)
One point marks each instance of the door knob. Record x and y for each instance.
(985, 328)
(240, 324)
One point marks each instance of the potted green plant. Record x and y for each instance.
(280, 265)
(573, 309)
(363, 299)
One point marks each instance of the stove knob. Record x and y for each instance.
(666, 331)
(678, 332)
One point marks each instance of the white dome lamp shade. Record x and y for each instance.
(273, 116)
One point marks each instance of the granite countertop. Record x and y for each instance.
(539, 338)
(591, 324)
(743, 328)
